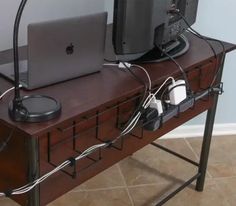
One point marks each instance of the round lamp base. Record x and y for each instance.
(35, 109)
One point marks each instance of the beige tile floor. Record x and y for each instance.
(146, 176)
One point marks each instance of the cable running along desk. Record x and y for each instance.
(94, 108)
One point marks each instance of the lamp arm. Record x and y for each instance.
(17, 97)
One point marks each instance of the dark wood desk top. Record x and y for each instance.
(81, 95)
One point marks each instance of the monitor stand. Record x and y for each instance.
(174, 48)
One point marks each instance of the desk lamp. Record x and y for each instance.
(33, 108)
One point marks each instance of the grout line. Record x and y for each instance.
(196, 155)
(99, 189)
(119, 187)
(144, 185)
(137, 186)
(191, 148)
(127, 189)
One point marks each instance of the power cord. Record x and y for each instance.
(8, 91)
(177, 11)
(206, 39)
(180, 68)
(127, 66)
(222, 59)
(87, 152)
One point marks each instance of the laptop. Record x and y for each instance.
(60, 50)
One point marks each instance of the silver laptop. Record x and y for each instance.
(60, 50)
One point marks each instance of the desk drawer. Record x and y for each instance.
(201, 77)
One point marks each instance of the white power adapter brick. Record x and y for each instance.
(178, 92)
(157, 104)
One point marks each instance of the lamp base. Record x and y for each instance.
(34, 109)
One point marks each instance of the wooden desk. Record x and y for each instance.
(93, 106)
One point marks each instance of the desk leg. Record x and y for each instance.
(34, 196)
(209, 125)
(206, 148)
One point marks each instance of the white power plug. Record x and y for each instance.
(178, 92)
(124, 65)
(157, 104)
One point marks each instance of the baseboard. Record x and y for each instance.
(198, 130)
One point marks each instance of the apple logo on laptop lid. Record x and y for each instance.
(70, 49)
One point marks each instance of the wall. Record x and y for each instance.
(109, 4)
(39, 10)
(216, 19)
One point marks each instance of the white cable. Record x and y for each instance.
(149, 102)
(6, 92)
(149, 98)
(110, 64)
(130, 124)
(134, 65)
(29, 187)
(90, 150)
(62, 165)
(147, 74)
(169, 78)
(145, 105)
(9, 90)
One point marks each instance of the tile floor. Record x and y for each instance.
(146, 176)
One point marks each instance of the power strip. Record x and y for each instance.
(152, 121)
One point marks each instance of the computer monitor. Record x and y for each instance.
(139, 25)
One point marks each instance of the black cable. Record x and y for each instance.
(207, 39)
(221, 62)
(222, 59)
(197, 33)
(180, 68)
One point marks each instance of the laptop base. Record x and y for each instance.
(34, 109)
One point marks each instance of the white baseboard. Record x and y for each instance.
(198, 130)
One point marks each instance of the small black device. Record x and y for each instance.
(139, 25)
